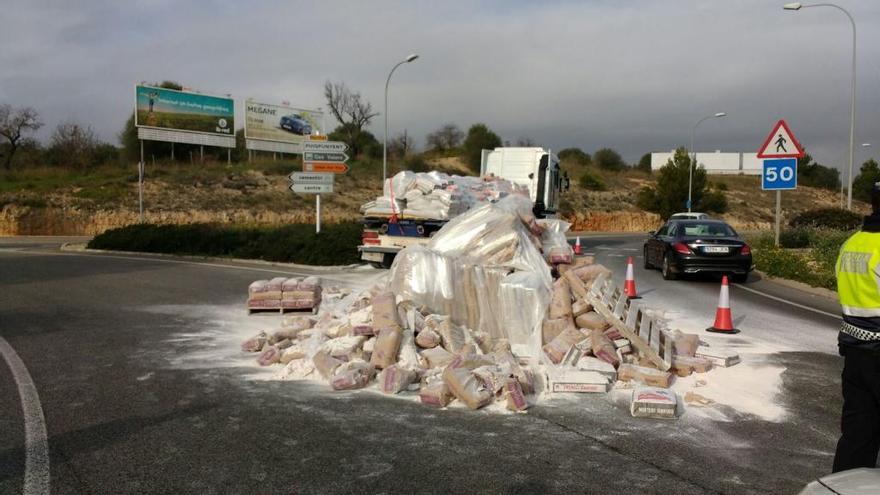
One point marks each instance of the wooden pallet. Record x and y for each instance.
(630, 319)
(284, 311)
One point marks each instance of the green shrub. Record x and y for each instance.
(795, 238)
(591, 182)
(828, 218)
(335, 245)
(416, 163)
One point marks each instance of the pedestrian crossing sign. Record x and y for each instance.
(781, 143)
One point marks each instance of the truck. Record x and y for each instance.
(534, 168)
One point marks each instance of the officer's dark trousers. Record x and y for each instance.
(860, 422)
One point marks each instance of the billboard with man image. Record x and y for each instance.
(266, 122)
(184, 111)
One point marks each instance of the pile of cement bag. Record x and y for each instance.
(436, 196)
(476, 316)
(282, 293)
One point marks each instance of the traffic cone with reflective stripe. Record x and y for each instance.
(577, 246)
(723, 317)
(629, 285)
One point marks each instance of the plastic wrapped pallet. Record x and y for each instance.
(652, 402)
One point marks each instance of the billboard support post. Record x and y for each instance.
(172, 152)
(229, 156)
(317, 213)
(141, 184)
(202, 154)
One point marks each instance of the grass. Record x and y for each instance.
(806, 255)
(335, 245)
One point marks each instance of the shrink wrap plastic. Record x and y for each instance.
(485, 271)
(555, 245)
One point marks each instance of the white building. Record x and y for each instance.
(716, 163)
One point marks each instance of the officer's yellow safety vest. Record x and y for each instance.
(858, 275)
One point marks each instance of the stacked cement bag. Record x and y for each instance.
(436, 196)
(265, 294)
(301, 293)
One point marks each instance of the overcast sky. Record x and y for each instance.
(631, 75)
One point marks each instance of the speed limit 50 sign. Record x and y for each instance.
(779, 174)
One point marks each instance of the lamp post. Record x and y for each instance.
(385, 138)
(852, 99)
(694, 153)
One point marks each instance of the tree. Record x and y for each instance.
(73, 145)
(644, 163)
(14, 125)
(479, 137)
(401, 145)
(608, 159)
(869, 174)
(352, 112)
(576, 155)
(525, 142)
(812, 174)
(445, 138)
(671, 192)
(365, 143)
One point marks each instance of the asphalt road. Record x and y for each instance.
(111, 343)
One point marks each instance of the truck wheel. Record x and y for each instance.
(648, 265)
(376, 264)
(388, 260)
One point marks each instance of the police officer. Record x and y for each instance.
(858, 285)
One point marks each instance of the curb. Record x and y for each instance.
(81, 248)
(793, 284)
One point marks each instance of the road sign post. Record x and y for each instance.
(312, 183)
(780, 151)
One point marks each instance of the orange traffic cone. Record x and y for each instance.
(577, 246)
(723, 318)
(629, 285)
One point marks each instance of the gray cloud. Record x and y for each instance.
(634, 76)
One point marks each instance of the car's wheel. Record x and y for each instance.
(648, 264)
(666, 269)
(740, 278)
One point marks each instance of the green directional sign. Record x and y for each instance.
(325, 156)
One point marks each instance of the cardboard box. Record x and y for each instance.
(653, 402)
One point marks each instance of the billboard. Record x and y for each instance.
(283, 124)
(162, 108)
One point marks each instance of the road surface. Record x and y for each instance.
(142, 390)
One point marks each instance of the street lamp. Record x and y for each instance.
(694, 152)
(852, 101)
(385, 138)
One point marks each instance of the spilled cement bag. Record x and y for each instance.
(452, 336)
(326, 364)
(603, 348)
(557, 348)
(580, 307)
(435, 392)
(255, 343)
(387, 347)
(428, 339)
(436, 357)
(344, 348)
(588, 273)
(466, 387)
(385, 311)
(295, 351)
(591, 321)
(394, 379)
(513, 394)
(645, 375)
(270, 355)
(685, 344)
(352, 375)
(551, 329)
(560, 300)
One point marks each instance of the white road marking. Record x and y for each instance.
(786, 301)
(36, 443)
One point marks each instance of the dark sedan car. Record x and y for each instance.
(698, 246)
(296, 124)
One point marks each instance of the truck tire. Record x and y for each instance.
(388, 260)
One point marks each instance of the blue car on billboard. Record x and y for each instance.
(296, 124)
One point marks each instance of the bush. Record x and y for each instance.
(591, 182)
(335, 245)
(827, 218)
(479, 138)
(575, 155)
(806, 255)
(416, 163)
(608, 159)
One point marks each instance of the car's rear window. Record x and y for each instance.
(707, 230)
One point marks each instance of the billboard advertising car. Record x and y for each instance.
(183, 111)
(284, 124)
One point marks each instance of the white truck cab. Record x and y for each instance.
(532, 167)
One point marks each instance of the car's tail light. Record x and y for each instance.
(745, 249)
(681, 248)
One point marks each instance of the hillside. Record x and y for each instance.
(51, 201)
